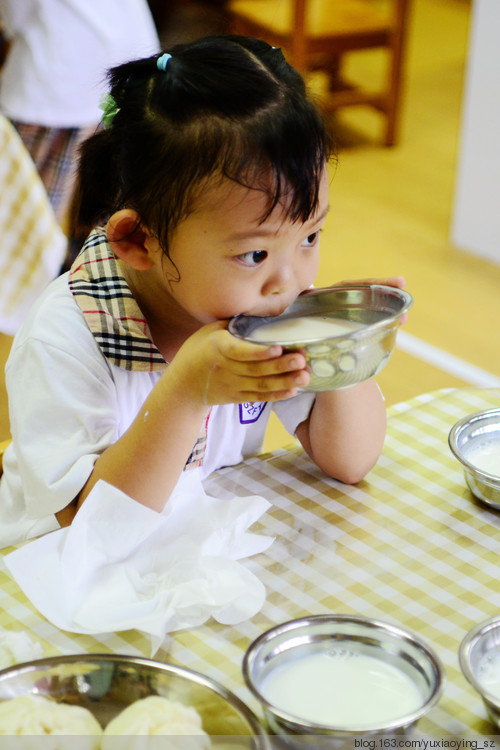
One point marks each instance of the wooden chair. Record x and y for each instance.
(317, 34)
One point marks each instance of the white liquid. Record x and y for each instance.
(488, 673)
(485, 455)
(303, 329)
(342, 689)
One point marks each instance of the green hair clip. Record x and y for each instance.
(109, 109)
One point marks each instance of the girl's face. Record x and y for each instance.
(227, 261)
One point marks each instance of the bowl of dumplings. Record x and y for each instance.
(110, 702)
(346, 332)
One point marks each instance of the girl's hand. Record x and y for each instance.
(211, 367)
(214, 367)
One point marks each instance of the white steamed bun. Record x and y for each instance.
(156, 715)
(36, 715)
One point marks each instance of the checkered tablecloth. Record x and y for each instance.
(408, 545)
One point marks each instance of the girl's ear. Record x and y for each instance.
(129, 240)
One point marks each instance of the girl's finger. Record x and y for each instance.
(288, 363)
(267, 386)
(245, 351)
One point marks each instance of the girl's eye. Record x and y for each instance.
(253, 258)
(311, 240)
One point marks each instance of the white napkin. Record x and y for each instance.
(122, 566)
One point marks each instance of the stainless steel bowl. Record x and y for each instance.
(105, 684)
(465, 438)
(340, 635)
(348, 359)
(479, 656)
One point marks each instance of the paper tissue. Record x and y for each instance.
(121, 565)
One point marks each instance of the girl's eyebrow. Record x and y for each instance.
(251, 234)
(321, 216)
(261, 231)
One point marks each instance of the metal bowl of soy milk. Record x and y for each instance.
(347, 332)
(341, 675)
(479, 658)
(475, 442)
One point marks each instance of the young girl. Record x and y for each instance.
(207, 189)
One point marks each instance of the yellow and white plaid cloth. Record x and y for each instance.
(408, 545)
(32, 244)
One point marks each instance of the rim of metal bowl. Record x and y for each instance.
(464, 651)
(454, 433)
(400, 632)
(363, 332)
(394, 291)
(197, 677)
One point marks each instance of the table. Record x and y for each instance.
(407, 545)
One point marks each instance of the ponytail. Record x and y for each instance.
(97, 189)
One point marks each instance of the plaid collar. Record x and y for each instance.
(111, 312)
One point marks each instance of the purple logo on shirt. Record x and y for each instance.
(250, 411)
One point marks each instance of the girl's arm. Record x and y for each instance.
(147, 460)
(212, 367)
(344, 433)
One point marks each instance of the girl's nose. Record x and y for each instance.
(279, 282)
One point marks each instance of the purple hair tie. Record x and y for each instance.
(163, 61)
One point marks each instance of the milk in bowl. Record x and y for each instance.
(342, 688)
(485, 455)
(340, 675)
(304, 328)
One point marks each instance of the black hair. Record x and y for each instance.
(226, 106)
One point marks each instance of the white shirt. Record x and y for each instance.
(55, 71)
